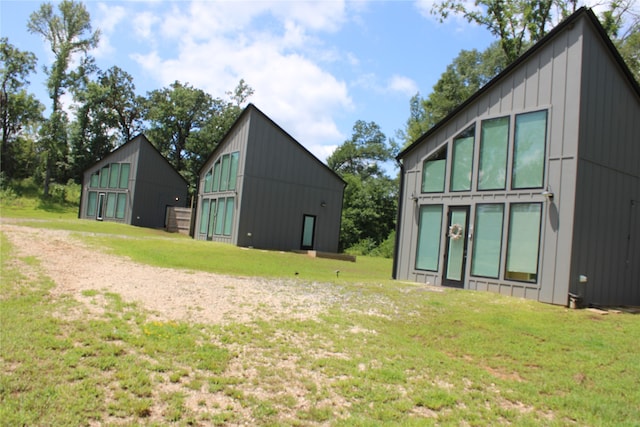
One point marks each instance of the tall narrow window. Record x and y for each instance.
(529, 145)
(204, 216)
(494, 140)
(224, 173)
(462, 162)
(487, 240)
(523, 242)
(95, 180)
(433, 170)
(233, 171)
(104, 177)
(212, 217)
(208, 181)
(228, 216)
(111, 205)
(219, 227)
(216, 176)
(91, 203)
(429, 233)
(121, 205)
(124, 175)
(114, 175)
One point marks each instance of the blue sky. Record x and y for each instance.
(316, 67)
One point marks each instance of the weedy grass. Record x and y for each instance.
(386, 353)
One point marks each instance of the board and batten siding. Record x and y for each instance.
(549, 79)
(606, 239)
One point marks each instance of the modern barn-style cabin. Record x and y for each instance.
(134, 184)
(260, 188)
(531, 187)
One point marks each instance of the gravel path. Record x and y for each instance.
(168, 293)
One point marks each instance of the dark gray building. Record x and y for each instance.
(531, 187)
(134, 185)
(261, 188)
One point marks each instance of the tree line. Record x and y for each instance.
(185, 123)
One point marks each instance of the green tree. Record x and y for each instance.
(19, 110)
(68, 33)
(368, 213)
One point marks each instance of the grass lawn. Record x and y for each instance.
(389, 353)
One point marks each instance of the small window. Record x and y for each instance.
(433, 170)
(104, 177)
(204, 216)
(429, 233)
(95, 180)
(487, 240)
(121, 205)
(216, 176)
(208, 181)
(494, 140)
(528, 152)
(233, 171)
(91, 203)
(523, 242)
(462, 162)
(124, 175)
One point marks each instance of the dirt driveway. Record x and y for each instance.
(168, 293)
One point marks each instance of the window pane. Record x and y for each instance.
(493, 154)
(104, 177)
(216, 176)
(95, 180)
(208, 181)
(433, 171)
(308, 226)
(524, 241)
(224, 174)
(212, 217)
(429, 232)
(111, 205)
(204, 216)
(462, 162)
(220, 217)
(121, 205)
(114, 175)
(91, 203)
(228, 217)
(487, 241)
(528, 155)
(233, 172)
(124, 175)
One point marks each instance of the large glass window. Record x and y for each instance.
(111, 205)
(91, 203)
(462, 162)
(104, 177)
(433, 170)
(216, 176)
(114, 175)
(212, 217)
(95, 180)
(233, 171)
(529, 146)
(228, 216)
(487, 240)
(121, 205)
(219, 228)
(429, 233)
(124, 175)
(523, 242)
(208, 181)
(204, 216)
(224, 174)
(494, 140)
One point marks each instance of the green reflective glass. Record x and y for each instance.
(233, 172)
(111, 205)
(204, 216)
(219, 227)
(493, 154)
(104, 177)
(529, 147)
(462, 162)
(429, 232)
(224, 173)
(114, 175)
(228, 216)
(121, 205)
(487, 240)
(91, 203)
(124, 175)
(455, 255)
(523, 242)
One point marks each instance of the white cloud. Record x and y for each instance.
(108, 19)
(270, 46)
(403, 85)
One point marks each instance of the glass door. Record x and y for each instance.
(308, 231)
(456, 251)
(101, 197)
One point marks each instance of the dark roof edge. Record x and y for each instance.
(250, 107)
(522, 58)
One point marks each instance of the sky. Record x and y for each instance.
(316, 67)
